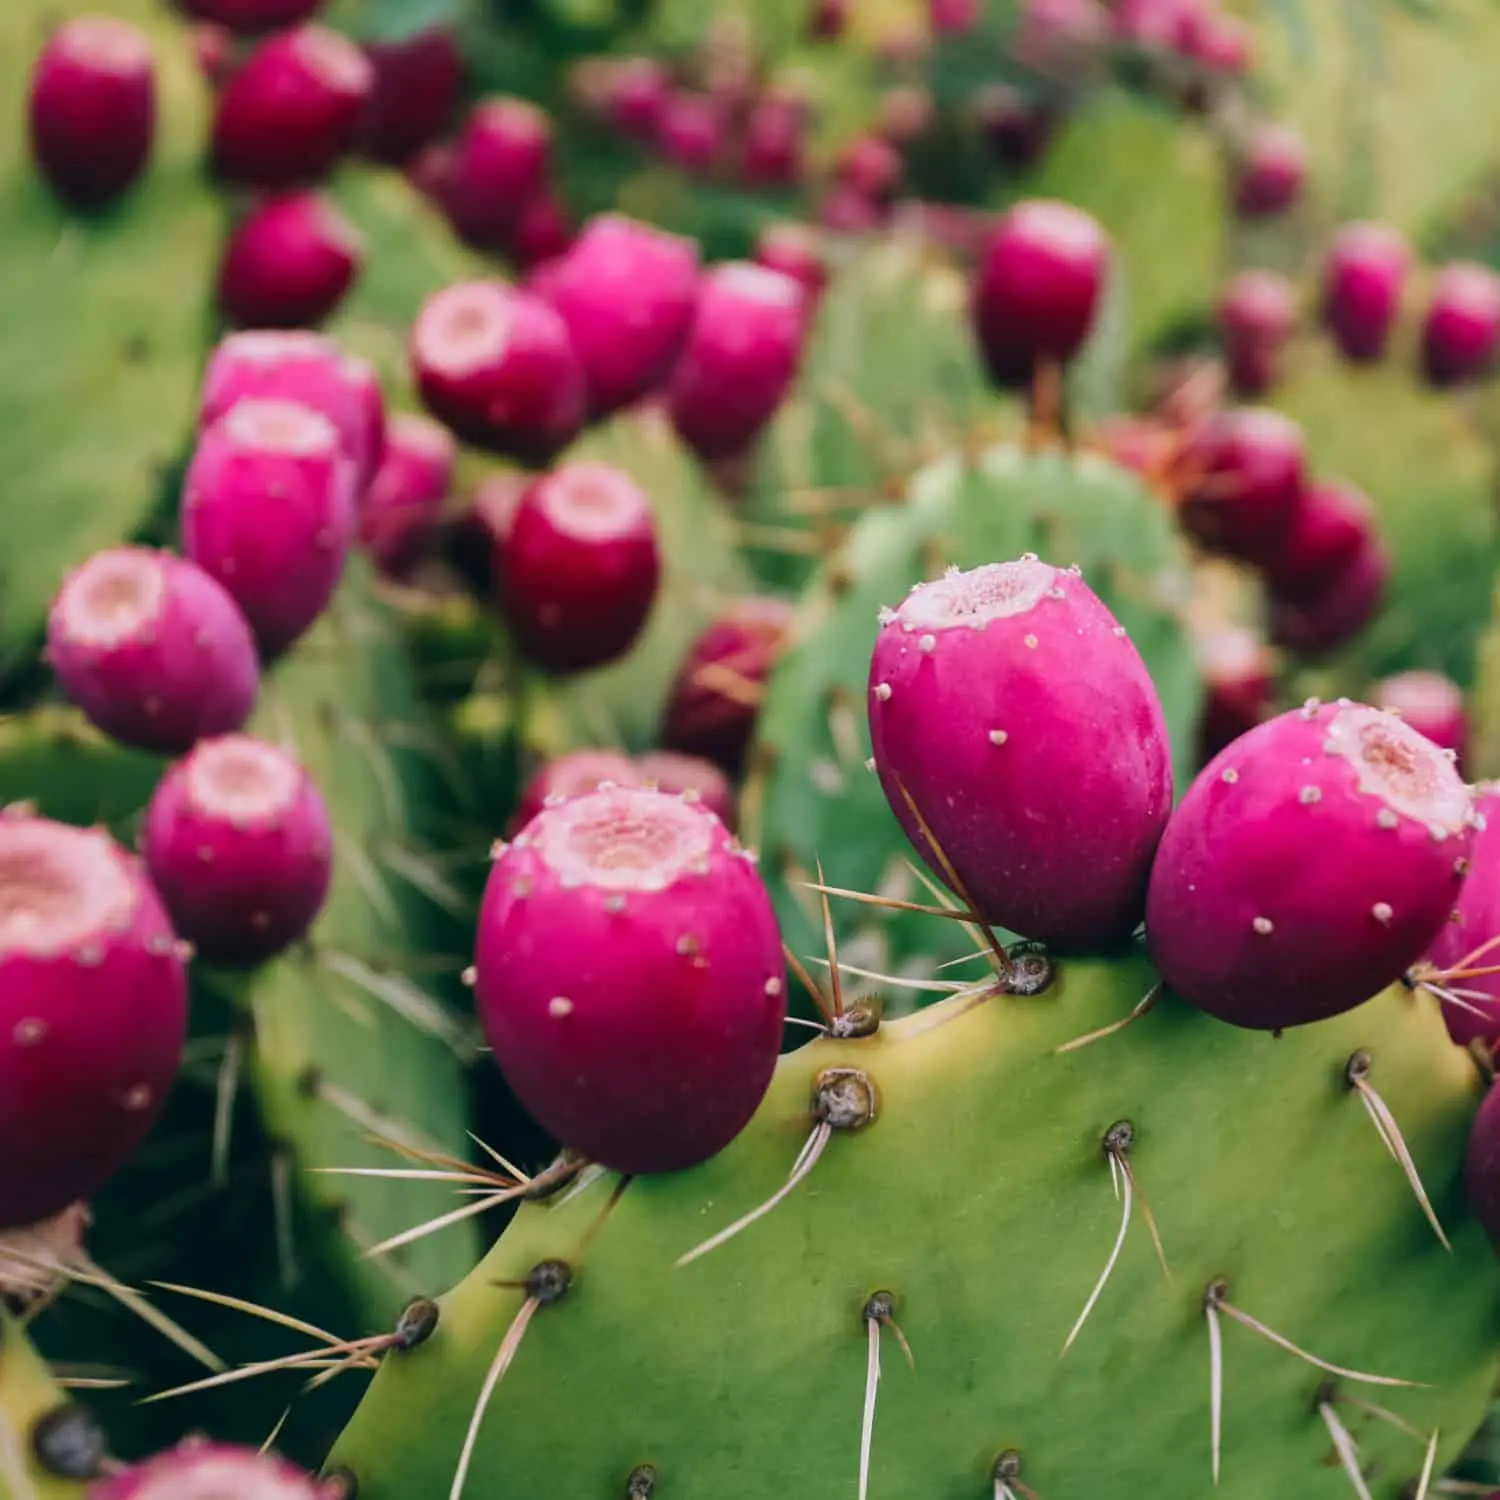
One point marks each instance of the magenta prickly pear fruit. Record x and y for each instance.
(1011, 708)
(796, 250)
(689, 776)
(1461, 330)
(629, 978)
(1256, 316)
(1332, 523)
(573, 775)
(828, 19)
(1038, 288)
(214, 50)
(691, 131)
(1245, 481)
(1324, 620)
(626, 292)
(252, 15)
(401, 510)
(1458, 953)
(1362, 282)
(239, 845)
(496, 365)
(845, 210)
(1217, 42)
(1058, 38)
(773, 138)
(953, 17)
(1432, 704)
(1016, 129)
(579, 567)
(740, 359)
(152, 649)
(1308, 866)
(501, 161)
(1239, 678)
(638, 89)
(93, 108)
(870, 167)
(289, 263)
(197, 1469)
(1269, 171)
(715, 697)
(413, 95)
(291, 111)
(302, 367)
(543, 232)
(268, 510)
(1482, 1167)
(93, 1012)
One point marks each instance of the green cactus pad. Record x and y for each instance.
(812, 796)
(1431, 474)
(28, 1394)
(113, 310)
(980, 1198)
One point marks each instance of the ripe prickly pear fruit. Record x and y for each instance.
(496, 365)
(290, 112)
(1482, 1166)
(93, 1012)
(268, 510)
(400, 512)
(625, 291)
(796, 250)
(92, 108)
(500, 162)
(251, 15)
(238, 843)
(197, 1469)
(953, 17)
(773, 139)
(1333, 522)
(1458, 952)
(1059, 38)
(414, 92)
(152, 649)
(578, 567)
(543, 232)
(289, 263)
(740, 358)
(1432, 704)
(572, 775)
(1322, 621)
(1239, 678)
(637, 90)
(1270, 171)
(1038, 288)
(871, 168)
(1256, 316)
(1011, 708)
(1362, 283)
(1461, 329)
(1245, 468)
(715, 697)
(299, 366)
(1308, 866)
(691, 131)
(689, 776)
(629, 978)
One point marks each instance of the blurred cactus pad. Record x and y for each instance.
(747, 748)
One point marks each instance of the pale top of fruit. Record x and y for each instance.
(1065, 229)
(1401, 767)
(625, 839)
(593, 502)
(413, 433)
(1420, 692)
(280, 427)
(242, 779)
(59, 886)
(1231, 651)
(333, 59)
(334, 228)
(226, 1476)
(464, 329)
(273, 346)
(1364, 239)
(106, 44)
(971, 600)
(760, 284)
(1467, 287)
(519, 119)
(113, 597)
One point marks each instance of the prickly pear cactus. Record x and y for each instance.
(812, 797)
(979, 1199)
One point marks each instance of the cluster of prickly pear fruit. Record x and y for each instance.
(595, 570)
